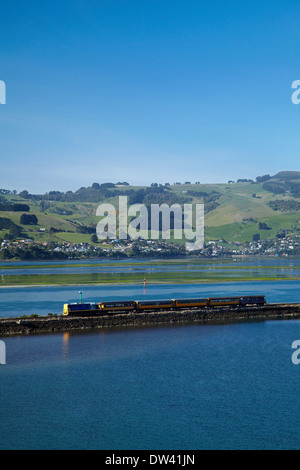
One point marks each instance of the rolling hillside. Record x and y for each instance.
(234, 212)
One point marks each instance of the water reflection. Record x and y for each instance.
(66, 338)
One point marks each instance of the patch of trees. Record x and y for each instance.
(281, 234)
(263, 226)
(85, 229)
(28, 219)
(98, 186)
(94, 238)
(15, 207)
(285, 206)
(54, 230)
(243, 180)
(31, 253)
(287, 175)
(96, 193)
(262, 179)
(250, 219)
(7, 224)
(156, 195)
(209, 199)
(25, 195)
(282, 187)
(199, 194)
(159, 185)
(7, 191)
(284, 182)
(275, 187)
(294, 189)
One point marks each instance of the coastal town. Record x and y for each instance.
(22, 249)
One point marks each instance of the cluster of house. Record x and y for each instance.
(125, 247)
(286, 246)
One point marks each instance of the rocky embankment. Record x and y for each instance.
(40, 325)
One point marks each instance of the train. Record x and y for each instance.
(84, 309)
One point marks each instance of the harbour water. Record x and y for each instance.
(183, 387)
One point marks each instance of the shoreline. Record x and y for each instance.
(10, 327)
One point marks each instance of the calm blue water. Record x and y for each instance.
(181, 387)
(178, 388)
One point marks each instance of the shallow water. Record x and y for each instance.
(134, 271)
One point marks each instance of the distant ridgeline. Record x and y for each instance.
(97, 193)
(284, 182)
(154, 194)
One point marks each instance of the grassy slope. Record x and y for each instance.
(230, 220)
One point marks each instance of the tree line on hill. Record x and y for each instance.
(95, 193)
(28, 219)
(282, 183)
(155, 194)
(285, 205)
(14, 207)
(283, 187)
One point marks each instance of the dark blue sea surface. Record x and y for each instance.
(186, 387)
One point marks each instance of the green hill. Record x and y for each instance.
(233, 211)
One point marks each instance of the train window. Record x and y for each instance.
(153, 303)
(117, 304)
(80, 306)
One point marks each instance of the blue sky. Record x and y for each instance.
(147, 91)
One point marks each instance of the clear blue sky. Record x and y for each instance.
(147, 91)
